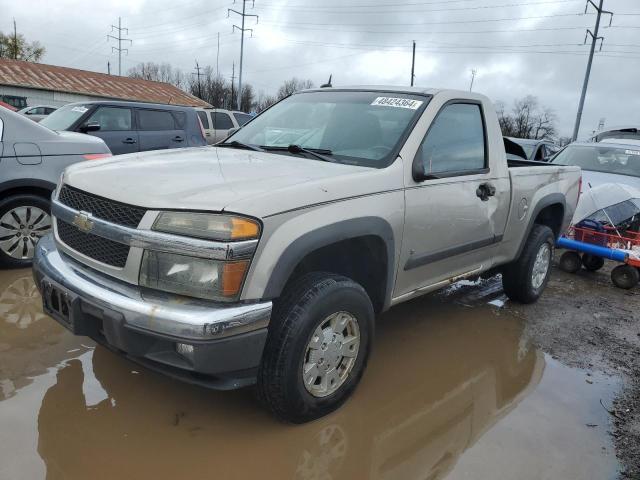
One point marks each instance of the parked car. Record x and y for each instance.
(38, 112)
(266, 258)
(129, 127)
(218, 123)
(32, 158)
(622, 134)
(537, 150)
(604, 162)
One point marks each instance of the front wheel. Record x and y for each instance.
(317, 349)
(23, 220)
(525, 278)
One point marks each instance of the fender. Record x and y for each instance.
(544, 202)
(27, 183)
(325, 236)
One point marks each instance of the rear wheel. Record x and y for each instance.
(592, 262)
(625, 276)
(317, 349)
(524, 279)
(570, 262)
(23, 220)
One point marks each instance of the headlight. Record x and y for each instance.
(191, 276)
(209, 226)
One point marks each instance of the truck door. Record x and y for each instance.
(449, 227)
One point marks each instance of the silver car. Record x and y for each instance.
(37, 112)
(32, 157)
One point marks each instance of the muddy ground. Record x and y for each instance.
(583, 320)
(461, 384)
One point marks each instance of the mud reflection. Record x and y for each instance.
(30, 342)
(435, 384)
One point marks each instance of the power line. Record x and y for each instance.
(242, 29)
(120, 39)
(594, 40)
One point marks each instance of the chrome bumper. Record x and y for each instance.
(139, 309)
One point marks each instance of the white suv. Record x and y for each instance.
(217, 122)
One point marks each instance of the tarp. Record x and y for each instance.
(608, 203)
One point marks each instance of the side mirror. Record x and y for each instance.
(90, 127)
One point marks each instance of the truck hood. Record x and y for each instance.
(217, 179)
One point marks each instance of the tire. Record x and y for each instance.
(592, 262)
(625, 276)
(570, 262)
(18, 244)
(305, 306)
(524, 279)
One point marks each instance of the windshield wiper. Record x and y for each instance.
(319, 153)
(237, 144)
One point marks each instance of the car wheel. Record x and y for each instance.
(317, 349)
(570, 262)
(625, 276)
(24, 219)
(592, 262)
(524, 279)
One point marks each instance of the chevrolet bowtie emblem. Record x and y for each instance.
(83, 221)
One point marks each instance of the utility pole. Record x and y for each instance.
(242, 30)
(473, 76)
(594, 40)
(413, 62)
(197, 72)
(108, 68)
(233, 80)
(120, 39)
(15, 40)
(218, 58)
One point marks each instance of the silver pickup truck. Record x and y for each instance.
(266, 258)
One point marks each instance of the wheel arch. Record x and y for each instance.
(362, 247)
(31, 186)
(549, 211)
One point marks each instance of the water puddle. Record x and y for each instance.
(453, 390)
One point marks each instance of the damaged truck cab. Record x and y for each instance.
(266, 258)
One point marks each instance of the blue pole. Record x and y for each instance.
(596, 250)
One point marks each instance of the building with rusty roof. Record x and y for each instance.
(25, 84)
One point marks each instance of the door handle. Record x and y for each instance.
(178, 138)
(128, 140)
(485, 190)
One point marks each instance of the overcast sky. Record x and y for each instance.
(518, 47)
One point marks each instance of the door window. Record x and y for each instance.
(112, 119)
(222, 121)
(156, 120)
(242, 118)
(204, 119)
(455, 142)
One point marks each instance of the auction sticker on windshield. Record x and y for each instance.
(397, 102)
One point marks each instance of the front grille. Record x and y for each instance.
(109, 210)
(98, 248)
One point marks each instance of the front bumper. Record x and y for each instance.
(221, 345)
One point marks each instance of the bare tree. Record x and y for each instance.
(19, 48)
(264, 101)
(158, 72)
(291, 86)
(527, 119)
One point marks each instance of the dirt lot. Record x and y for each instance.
(461, 385)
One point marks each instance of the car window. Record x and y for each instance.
(111, 119)
(204, 118)
(242, 118)
(602, 158)
(455, 142)
(539, 153)
(156, 120)
(49, 110)
(221, 121)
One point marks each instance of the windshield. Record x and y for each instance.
(602, 158)
(355, 127)
(64, 117)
